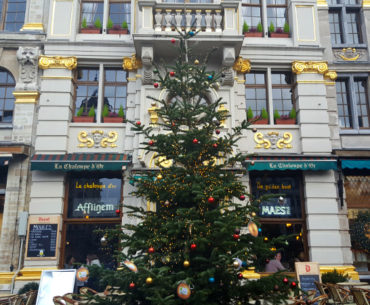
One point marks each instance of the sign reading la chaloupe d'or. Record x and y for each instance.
(99, 199)
(42, 237)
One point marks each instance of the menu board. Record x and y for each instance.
(42, 237)
(307, 274)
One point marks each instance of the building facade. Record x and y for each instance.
(69, 70)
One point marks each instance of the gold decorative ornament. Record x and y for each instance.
(322, 3)
(349, 54)
(253, 214)
(32, 27)
(196, 62)
(26, 97)
(332, 75)
(222, 108)
(365, 3)
(149, 280)
(57, 62)
(242, 65)
(299, 67)
(131, 63)
(273, 140)
(186, 264)
(153, 114)
(159, 177)
(96, 139)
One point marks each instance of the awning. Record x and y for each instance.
(356, 164)
(80, 162)
(290, 163)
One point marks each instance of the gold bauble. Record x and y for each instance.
(236, 264)
(196, 62)
(159, 176)
(166, 203)
(186, 264)
(253, 214)
(149, 280)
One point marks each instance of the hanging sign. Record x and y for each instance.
(275, 208)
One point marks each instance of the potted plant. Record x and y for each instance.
(112, 117)
(91, 29)
(253, 31)
(260, 119)
(279, 32)
(83, 117)
(245, 28)
(289, 119)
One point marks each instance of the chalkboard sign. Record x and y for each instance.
(307, 274)
(42, 237)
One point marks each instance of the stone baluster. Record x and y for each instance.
(158, 20)
(208, 18)
(188, 18)
(168, 19)
(217, 20)
(178, 18)
(198, 18)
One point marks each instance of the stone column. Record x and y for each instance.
(16, 200)
(34, 19)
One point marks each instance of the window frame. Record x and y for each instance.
(101, 87)
(3, 16)
(269, 86)
(260, 6)
(343, 8)
(352, 98)
(7, 85)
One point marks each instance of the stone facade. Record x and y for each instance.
(45, 94)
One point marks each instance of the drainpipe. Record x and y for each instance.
(19, 265)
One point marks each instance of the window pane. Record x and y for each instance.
(353, 28)
(344, 110)
(282, 92)
(6, 96)
(362, 103)
(255, 92)
(335, 26)
(115, 89)
(14, 17)
(86, 89)
(120, 12)
(251, 11)
(91, 11)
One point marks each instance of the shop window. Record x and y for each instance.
(283, 214)
(12, 15)
(87, 96)
(353, 102)
(7, 85)
(93, 202)
(357, 191)
(275, 96)
(345, 22)
(265, 13)
(94, 12)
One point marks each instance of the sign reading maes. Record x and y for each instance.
(42, 237)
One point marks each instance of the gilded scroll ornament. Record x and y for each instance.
(299, 67)
(332, 75)
(57, 62)
(222, 108)
(366, 3)
(242, 65)
(97, 138)
(131, 63)
(350, 54)
(153, 114)
(322, 3)
(273, 140)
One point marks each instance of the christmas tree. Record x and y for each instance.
(194, 248)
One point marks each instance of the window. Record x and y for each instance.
(282, 215)
(251, 10)
(275, 95)
(345, 22)
(353, 102)
(114, 91)
(116, 11)
(12, 15)
(93, 200)
(7, 84)
(265, 12)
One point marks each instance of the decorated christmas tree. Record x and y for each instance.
(199, 245)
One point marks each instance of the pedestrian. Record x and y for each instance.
(275, 264)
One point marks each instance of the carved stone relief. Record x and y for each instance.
(28, 69)
(97, 138)
(273, 140)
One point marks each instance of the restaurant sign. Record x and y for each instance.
(292, 165)
(92, 208)
(276, 208)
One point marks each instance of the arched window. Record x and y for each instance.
(7, 85)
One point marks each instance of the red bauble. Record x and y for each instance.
(217, 131)
(155, 85)
(293, 284)
(285, 280)
(193, 246)
(242, 197)
(151, 142)
(173, 40)
(214, 145)
(195, 141)
(132, 285)
(236, 236)
(172, 73)
(240, 276)
(151, 250)
(138, 123)
(211, 200)
(118, 211)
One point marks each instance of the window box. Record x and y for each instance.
(83, 119)
(119, 32)
(285, 121)
(279, 35)
(90, 31)
(113, 119)
(253, 34)
(257, 121)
